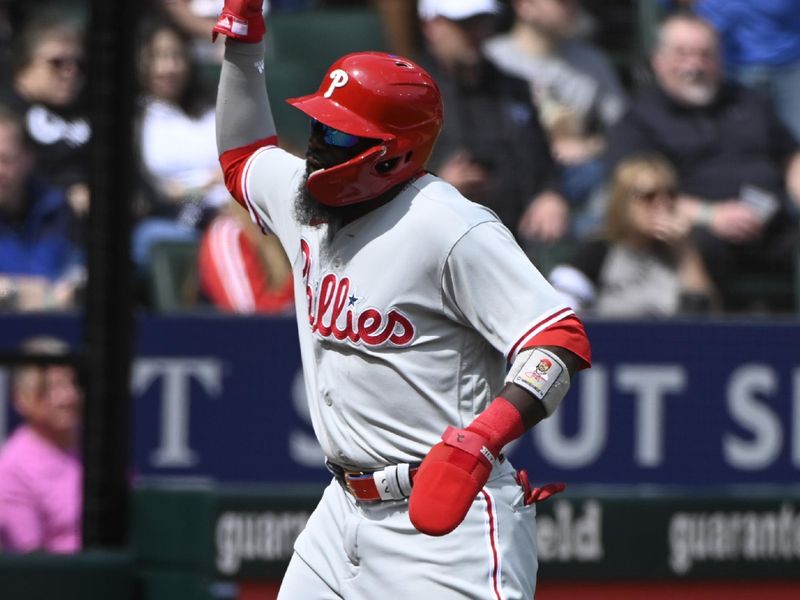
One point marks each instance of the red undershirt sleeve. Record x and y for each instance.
(234, 162)
(568, 333)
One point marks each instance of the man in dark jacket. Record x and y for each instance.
(738, 166)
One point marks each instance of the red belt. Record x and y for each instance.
(390, 483)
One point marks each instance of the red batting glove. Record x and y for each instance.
(449, 478)
(241, 20)
(456, 469)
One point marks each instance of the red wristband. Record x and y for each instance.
(500, 424)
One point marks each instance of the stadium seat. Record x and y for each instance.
(618, 32)
(173, 276)
(317, 37)
(547, 256)
(88, 575)
(649, 13)
(300, 48)
(755, 292)
(287, 80)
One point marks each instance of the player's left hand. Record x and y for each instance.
(241, 20)
(450, 477)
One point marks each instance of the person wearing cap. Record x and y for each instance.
(493, 148)
(411, 303)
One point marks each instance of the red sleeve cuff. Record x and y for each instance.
(568, 333)
(234, 161)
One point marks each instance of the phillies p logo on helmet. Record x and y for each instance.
(339, 78)
(384, 98)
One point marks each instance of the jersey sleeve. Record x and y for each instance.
(490, 285)
(264, 179)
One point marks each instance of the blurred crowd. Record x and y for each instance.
(661, 181)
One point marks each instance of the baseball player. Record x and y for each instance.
(428, 339)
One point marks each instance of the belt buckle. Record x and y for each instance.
(348, 476)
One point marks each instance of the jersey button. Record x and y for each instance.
(328, 400)
(337, 263)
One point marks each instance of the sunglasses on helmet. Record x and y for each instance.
(333, 137)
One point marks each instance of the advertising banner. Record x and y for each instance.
(707, 403)
(248, 535)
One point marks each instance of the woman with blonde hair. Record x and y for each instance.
(643, 263)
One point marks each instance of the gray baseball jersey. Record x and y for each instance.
(407, 316)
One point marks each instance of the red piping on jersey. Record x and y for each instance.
(234, 161)
(522, 339)
(254, 214)
(565, 331)
(495, 559)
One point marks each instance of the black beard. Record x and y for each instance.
(310, 211)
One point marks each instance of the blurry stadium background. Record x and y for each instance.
(680, 448)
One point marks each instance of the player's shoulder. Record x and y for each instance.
(438, 205)
(274, 172)
(278, 158)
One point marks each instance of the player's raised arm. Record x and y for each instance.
(244, 118)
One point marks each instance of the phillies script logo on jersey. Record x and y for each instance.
(332, 312)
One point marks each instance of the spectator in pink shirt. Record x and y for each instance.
(40, 468)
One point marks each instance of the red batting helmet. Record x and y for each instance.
(381, 96)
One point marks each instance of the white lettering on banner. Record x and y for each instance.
(650, 383)
(761, 402)
(586, 446)
(304, 449)
(248, 536)
(176, 374)
(761, 447)
(746, 394)
(731, 536)
(565, 537)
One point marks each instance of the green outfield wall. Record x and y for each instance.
(212, 542)
(218, 535)
(96, 575)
